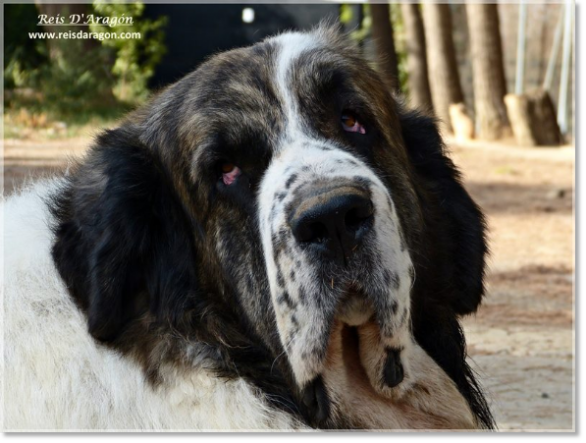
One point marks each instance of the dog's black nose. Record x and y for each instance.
(333, 222)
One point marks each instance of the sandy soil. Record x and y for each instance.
(521, 341)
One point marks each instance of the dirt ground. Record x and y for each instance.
(521, 341)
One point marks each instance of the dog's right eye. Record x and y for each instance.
(351, 124)
(230, 173)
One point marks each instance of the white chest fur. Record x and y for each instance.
(57, 377)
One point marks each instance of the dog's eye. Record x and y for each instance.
(227, 167)
(229, 173)
(351, 124)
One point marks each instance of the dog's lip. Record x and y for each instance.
(354, 307)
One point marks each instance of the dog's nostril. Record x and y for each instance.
(359, 217)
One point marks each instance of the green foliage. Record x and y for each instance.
(345, 14)
(22, 56)
(363, 31)
(59, 77)
(135, 58)
(400, 46)
(77, 76)
(79, 80)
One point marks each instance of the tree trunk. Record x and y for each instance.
(488, 70)
(444, 79)
(518, 108)
(546, 129)
(462, 124)
(533, 119)
(382, 35)
(419, 92)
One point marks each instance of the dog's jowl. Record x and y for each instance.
(271, 242)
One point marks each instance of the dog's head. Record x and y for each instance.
(277, 214)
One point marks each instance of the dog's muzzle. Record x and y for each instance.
(338, 273)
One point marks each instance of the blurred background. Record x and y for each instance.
(499, 77)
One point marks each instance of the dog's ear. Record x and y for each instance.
(124, 245)
(454, 246)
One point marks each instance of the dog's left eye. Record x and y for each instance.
(351, 124)
(230, 173)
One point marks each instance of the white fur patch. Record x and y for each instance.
(57, 377)
(291, 46)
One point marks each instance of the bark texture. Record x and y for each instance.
(382, 35)
(444, 79)
(533, 119)
(488, 71)
(419, 91)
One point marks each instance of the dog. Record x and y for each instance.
(272, 242)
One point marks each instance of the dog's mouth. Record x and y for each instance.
(354, 307)
(357, 359)
(352, 378)
(365, 383)
(361, 342)
(357, 350)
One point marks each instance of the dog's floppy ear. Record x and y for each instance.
(454, 238)
(449, 258)
(123, 242)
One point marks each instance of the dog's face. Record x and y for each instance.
(279, 199)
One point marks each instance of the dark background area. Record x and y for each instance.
(194, 32)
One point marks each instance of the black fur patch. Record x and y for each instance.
(127, 251)
(393, 368)
(316, 402)
(449, 258)
(290, 181)
(286, 299)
